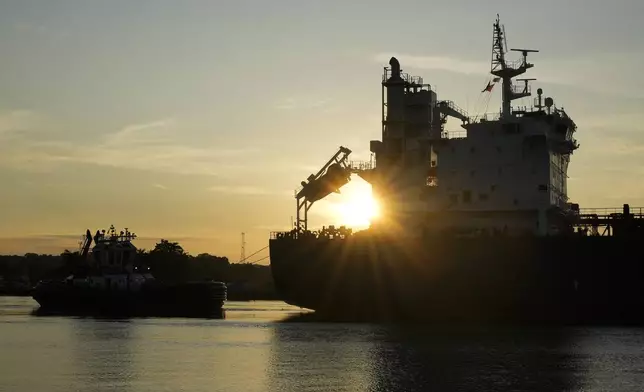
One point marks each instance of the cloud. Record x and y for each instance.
(247, 190)
(436, 62)
(40, 244)
(16, 120)
(151, 146)
(301, 103)
(628, 122)
(160, 186)
(39, 30)
(134, 133)
(273, 227)
(618, 80)
(620, 146)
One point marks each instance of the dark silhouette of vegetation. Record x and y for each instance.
(168, 262)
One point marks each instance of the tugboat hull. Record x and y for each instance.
(184, 300)
(578, 280)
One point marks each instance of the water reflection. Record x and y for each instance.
(320, 357)
(103, 354)
(421, 358)
(250, 352)
(332, 356)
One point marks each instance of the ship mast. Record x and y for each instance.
(506, 70)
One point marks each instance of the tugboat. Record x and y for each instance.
(110, 281)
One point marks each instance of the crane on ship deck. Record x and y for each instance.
(329, 179)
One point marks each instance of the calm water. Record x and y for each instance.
(261, 346)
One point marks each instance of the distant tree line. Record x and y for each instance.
(167, 261)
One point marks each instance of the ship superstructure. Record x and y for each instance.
(113, 261)
(507, 172)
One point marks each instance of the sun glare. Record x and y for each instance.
(355, 206)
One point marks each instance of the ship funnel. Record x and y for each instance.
(395, 66)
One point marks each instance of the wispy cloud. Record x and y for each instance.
(301, 103)
(152, 146)
(159, 186)
(436, 62)
(16, 120)
(247, 190)
(564, 71)
(134, 133)
(40, 244)
(273, 227)
(619, 146)
(39, 30)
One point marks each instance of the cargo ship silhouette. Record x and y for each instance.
(475, 227)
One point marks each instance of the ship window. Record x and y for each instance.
(453, 198)
(483, 196)
(543, 187)
(493, 188)
(467, 196)
(472, 150)
(472, 173)
(516, 202)
(500, 170)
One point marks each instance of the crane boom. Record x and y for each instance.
(330, 178)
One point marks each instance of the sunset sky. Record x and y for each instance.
(194, 121)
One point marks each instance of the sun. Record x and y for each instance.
(355, 206)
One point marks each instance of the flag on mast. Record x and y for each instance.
(490, 85)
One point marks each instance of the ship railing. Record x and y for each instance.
(454, 107)
(521, 89)
(330, 232)
(281, 234)
(488, 117)
(525, 109)
(361, 165)
(454, 134)
(410, 79)
(291, 234)
(514, 64)
(414, 80)
(638, 211)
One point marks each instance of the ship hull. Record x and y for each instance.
(187, 300)
(571, 280)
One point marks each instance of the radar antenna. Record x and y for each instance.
(507, 70)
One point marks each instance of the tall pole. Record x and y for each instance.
(242, 256)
